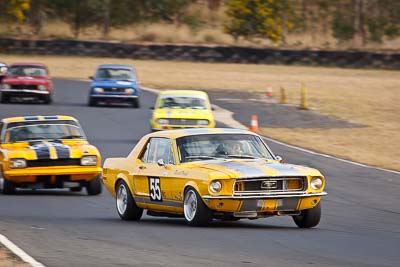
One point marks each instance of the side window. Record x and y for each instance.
(158, 148)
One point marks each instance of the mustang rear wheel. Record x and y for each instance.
(308, 218)
(126, 205)
(94, 186)
(195, 211)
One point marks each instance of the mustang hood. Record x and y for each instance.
(256, 168)
(41, 150)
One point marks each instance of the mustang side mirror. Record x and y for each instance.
(279, 158)
(160, 162)
(151, 107)
(91, 77)
(212, 108)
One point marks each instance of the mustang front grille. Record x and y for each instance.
(24, 86)
(183, 122)
(53, 162)
(269, 185)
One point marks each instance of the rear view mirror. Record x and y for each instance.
(151, 107)
(279, 158)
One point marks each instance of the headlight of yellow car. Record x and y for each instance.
(215, 186)
(316, 183)
(17, 163)
(162, 121)
(89, 160)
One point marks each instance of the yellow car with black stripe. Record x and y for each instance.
(47, 152)
(176, 109)
(206, 174)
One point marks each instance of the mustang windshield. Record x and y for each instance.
(215, 146)
(171, 101)
(43, 131)
(27, 71)
(115, 74)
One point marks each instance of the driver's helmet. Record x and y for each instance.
(3, 68)
(21, 135)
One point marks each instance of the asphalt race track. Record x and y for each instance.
(360, 224)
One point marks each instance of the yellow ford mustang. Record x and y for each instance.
(175, 109)
(47, 152)
(201, 174)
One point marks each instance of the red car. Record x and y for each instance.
(27, 80)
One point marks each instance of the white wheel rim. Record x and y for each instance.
(122, 199)
(190, 205)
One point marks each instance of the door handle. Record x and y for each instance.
(142, 167)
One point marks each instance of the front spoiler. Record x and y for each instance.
(268, 196)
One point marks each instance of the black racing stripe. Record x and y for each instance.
(50, 117)
(41, 149)
(62, 151)
(31, 118)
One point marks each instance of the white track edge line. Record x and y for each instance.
(19, 252)
(299, 148)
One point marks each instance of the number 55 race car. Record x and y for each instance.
(202, 174)
(47, 152)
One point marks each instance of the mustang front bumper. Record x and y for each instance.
(24, 91)
(33, 175)
(264, 204)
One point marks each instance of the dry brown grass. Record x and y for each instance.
(6, 260)
(368, 97)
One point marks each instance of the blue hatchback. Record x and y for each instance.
(114, 83)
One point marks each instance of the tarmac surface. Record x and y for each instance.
(360, 224)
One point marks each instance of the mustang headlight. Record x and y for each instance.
(129, 90)
(215, 186)
(98, 90)
(89, 160)
(6, 86)
(162, 121)
(17, 163)
(316, 183)
(42, 87)
(202, 122)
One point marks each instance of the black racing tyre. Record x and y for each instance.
(8, 187)
(94, 187)
(136, 103)
(47, 99)
(76, 189)
(126, 205)
(92, 102)
(195, 211)
(5, 98)
(308, 218)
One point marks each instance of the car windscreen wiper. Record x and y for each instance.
(200, 157)
(241, 156)
(72, 137)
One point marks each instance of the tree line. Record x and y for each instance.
(360, 21)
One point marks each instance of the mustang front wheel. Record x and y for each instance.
(126, 205)
(308, 218)
(8, 187)
(94, 186)
(195, 211)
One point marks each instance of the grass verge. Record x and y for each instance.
(367, 97)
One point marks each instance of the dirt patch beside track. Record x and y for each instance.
(351, 98)
(7, 259)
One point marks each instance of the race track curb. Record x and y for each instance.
(19, 252)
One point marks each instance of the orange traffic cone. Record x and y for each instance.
(269, 91)
(254, 123)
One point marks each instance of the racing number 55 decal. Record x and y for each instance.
(155, 189)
